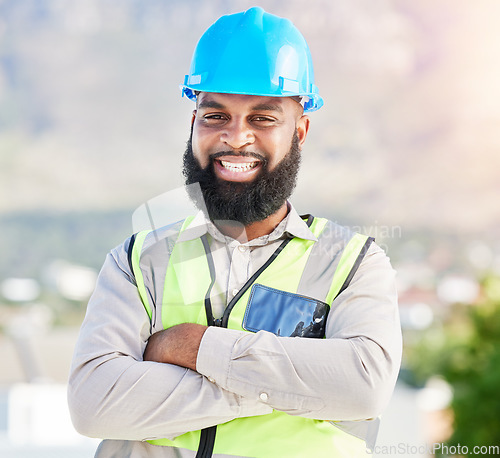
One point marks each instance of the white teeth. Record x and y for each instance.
(238, 167)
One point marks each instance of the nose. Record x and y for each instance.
(237, 134)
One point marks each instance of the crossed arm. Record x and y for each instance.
(128, 384)
(176, 345)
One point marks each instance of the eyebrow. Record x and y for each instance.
(259, 107)
(268, 107)
(210, 104)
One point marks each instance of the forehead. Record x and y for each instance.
(242, 102)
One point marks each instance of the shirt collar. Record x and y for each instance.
(196, 228)
(297, 227)
(292, 225)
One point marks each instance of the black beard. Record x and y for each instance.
(247, 202)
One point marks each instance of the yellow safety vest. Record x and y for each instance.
(184, 300)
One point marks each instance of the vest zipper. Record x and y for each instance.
(207, 442)
(207, 436)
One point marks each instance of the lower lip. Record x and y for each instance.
(231, 175)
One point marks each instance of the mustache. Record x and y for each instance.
(258, 156)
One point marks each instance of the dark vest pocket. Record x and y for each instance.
(285, 314)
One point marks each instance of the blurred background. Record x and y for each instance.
(406, 149)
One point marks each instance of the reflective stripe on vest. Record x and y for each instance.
(328, 266)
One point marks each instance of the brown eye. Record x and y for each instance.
(214, 118)
(263, 121)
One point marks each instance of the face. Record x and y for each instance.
(245, 153)
(238, 134)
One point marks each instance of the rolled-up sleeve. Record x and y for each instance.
(350, 375)
(114, 394)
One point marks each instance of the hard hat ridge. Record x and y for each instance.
(256, 53)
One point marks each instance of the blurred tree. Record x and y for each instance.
(466, 353)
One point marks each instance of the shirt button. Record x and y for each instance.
(242, 248)
(234, 292)
(263, 397)
(211, 379)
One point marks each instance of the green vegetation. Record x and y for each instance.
(465, 351)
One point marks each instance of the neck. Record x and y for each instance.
(254, 230)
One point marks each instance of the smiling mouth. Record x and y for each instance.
(229, 167)
(238, 166)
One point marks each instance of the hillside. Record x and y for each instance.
(91, 121)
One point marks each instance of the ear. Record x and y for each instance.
(302, 127)
(193, 117)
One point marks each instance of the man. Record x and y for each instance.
(245, 330)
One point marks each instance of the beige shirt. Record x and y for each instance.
(114, 394)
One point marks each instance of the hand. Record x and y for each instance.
(176, 345)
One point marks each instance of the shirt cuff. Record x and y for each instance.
(214, 362)
(214, 354)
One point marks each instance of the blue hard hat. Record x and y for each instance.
(255, 53)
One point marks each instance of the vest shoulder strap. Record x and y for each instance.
(351, 259)
(134, 257)
(134, 253)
